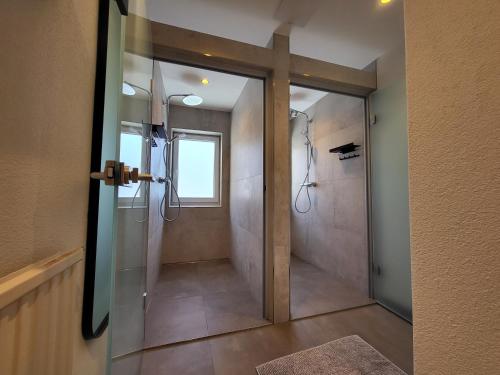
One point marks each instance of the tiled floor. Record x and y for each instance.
(239, 353)
(195, 300)
(314, 291)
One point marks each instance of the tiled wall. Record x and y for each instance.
(246, 190)
(332, 235)
(200, 233)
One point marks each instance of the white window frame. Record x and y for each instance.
(199, 135)
(140, 202)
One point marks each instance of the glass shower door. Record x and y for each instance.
(117, 235)
(132, 214)
(389, 188)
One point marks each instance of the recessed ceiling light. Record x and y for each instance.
(192, 100)
(384, 2)
(207, 54)
(205, 81)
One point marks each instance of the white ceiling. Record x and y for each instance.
(138, 70)
(347, 32)
(302, 98)
(220, 94)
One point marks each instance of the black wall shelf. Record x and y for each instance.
(347, 151)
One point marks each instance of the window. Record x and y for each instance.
(196, 162)
(132, 154)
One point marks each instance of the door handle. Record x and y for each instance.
(118, 174)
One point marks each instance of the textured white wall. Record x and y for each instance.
(453, 79)
(47, 92)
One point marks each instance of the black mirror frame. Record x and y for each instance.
(88, 331)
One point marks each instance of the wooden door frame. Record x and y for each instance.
(278, 68)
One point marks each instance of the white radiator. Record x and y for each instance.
(38, 315)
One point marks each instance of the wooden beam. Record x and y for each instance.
(170, 42)
(138, 36)
(321, 74)
(281, 178)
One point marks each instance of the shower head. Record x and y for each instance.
(294, 113)
(188, 99)
(192, 100)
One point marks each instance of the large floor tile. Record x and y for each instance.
(172, 320)
(199, 299)
(314, 291)
(178, 281)
(185, 359)
(219, 276)
(129, 365)
(231, 311)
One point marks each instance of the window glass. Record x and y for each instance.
(196, 168)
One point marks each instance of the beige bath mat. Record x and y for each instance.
(347, 356)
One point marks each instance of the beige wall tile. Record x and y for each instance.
(200, 233)
(247, 192)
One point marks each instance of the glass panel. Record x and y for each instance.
(127, 334)
(196, 169)
(132, 221)
(389, 187)
(131, 155)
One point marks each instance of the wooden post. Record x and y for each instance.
(281, 178)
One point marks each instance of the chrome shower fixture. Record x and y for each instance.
(306, 183)
(191, 100)
(294, 113)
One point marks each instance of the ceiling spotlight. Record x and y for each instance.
(207, 54)
(127, 89)
(205, 81)
(306, 75)
(192, 100)
(384, 2)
